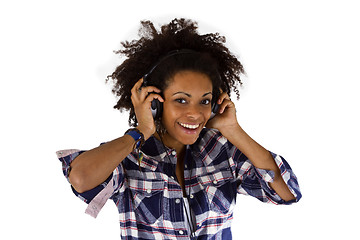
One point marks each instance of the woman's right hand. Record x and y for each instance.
(141, 98)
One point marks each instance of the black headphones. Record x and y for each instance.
(156, 105)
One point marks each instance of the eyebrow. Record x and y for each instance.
(189, 95)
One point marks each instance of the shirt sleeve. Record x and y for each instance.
(96, 197)
(255, 181)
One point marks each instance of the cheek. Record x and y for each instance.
(207, 113)
(170, 115)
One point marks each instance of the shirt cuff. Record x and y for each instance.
(66, 157)
(287, 175)
(98, 202)
(96, 197)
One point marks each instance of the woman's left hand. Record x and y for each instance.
(225, 120)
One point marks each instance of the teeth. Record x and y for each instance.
(189, 126)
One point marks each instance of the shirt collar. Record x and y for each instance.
(154, 151)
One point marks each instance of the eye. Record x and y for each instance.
(206, 101)
(180, 100)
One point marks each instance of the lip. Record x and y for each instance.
(188, 130)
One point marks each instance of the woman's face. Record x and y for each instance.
(187, 107)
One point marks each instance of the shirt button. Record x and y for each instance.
(191, 196)
(185, 165)
(181, 232)
(148, 190)
(177, 201)
(215, 182)
(172, 177)
(173, 153)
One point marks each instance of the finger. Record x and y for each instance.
(137, 85)
(139, 82)
(223, 96)
(135, 92)
(140, 92)
(145, 91)
(225, 104)
(153, 96)
(149, 89)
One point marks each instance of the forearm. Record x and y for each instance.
(93, 167)
(260, 158)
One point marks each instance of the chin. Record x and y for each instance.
(190, 142)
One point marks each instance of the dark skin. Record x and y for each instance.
(189, 105)
(187, 101)
(180, 173)
(187, 110)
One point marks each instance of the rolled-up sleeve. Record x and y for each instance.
(97, 196)
(255, 181)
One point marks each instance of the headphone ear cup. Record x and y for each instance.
(156, 108)
(214, 110)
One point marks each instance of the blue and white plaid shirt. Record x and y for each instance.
(150, 201)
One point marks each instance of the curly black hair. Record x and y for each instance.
(210, 57)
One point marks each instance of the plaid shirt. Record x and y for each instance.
(150, 200)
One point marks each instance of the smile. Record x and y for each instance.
(189, 126)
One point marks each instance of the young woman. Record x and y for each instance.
(176, 173)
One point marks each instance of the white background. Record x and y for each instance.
(299, 99)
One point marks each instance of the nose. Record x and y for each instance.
(194, 111)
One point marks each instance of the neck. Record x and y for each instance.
(166, 140)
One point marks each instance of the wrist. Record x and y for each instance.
(147, 132)
(231, 130)
(137, 136)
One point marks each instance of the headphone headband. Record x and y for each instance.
(169, 54)
(156, 105)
